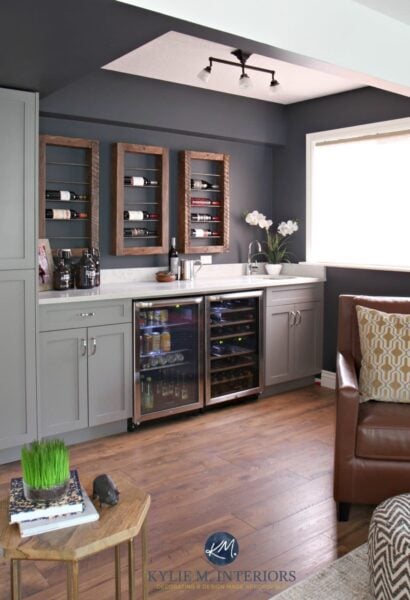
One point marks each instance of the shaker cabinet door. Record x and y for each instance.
(18, 168)
(278, 344)
(308, 339)
(18, 423)
(110, 373)
(63, 381)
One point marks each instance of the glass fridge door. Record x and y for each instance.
(168, 377)
(234, 346)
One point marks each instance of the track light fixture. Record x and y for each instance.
(245, 81)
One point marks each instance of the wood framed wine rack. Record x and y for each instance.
(70, 165)
(140, 192)
(203, 208)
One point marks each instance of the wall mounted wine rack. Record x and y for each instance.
(203, 202)
(69, 165)
(140, 177)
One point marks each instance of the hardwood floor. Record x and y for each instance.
(261, 470)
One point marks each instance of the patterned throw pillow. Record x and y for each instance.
(385, 347)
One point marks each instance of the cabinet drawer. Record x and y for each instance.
(84, 314)
(294, 294)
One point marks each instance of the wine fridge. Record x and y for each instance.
(233, 364)
(168, 372)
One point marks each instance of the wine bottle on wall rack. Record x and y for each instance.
(138, 181)
(64, 214)
(173, 258)
(138, 232)
(201, 184)
(204, 202)
(139, 215)
(198, 217)
(204, 233)
(63, 195)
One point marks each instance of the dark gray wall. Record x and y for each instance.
(110, 97)
(111, 108)
(289, 168)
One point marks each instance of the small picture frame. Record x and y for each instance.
(45, 265)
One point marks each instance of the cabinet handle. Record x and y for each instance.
(84, 315)
(292, 317)
(94, 345)
(84, 347)
(298, 317)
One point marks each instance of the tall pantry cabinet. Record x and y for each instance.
(18, 201)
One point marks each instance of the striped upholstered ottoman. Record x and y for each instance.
(389, 549)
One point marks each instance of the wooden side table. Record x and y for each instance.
(117, 524)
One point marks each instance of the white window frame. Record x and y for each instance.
(383, 127)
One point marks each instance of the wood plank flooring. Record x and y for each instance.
(261, 470)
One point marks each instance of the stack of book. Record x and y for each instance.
(33, 518)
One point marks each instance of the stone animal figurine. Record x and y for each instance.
(105, 490)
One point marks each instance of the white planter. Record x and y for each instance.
(273, 269)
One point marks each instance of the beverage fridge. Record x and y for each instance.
(168, 341)
(233, 362)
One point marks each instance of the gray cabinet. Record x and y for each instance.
(18, 184)
(86, 375)
(18, 358)
(293, 333)
(109, 373)
(18, 168)
(63, 381)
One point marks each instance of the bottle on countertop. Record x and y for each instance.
(64, 214)
(85, 273)
(138, 181)
(201, 184)
(62, 276)
(63, 195)
(203, 233)
(173, 258)
(139, 215)
(65, 255)
(95, 253)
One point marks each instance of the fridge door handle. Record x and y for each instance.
(169, 302)
(233, 295)
(143, 304)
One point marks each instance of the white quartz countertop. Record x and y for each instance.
(207, 283)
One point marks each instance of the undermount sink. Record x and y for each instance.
(265, 277)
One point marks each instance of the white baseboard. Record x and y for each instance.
(328, 380)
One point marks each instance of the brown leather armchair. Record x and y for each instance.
(372, 448)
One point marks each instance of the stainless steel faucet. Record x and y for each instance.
(253, 266)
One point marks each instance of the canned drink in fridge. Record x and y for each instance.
(147, 345)
(165, 341)
(156, 341)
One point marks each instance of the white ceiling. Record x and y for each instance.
(396, 9)
(178, 58)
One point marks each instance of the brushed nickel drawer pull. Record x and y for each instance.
(84, 315)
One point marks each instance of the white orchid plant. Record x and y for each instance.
(275, 245)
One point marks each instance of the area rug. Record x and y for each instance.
(345, 579)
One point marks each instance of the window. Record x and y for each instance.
(358, 196)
